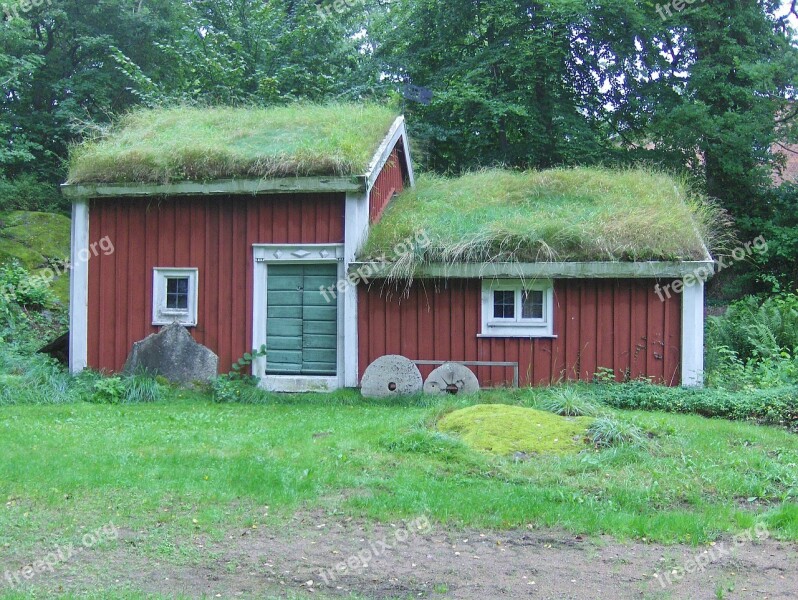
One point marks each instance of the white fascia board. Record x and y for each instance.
(383, 153)
(560, 270)
(79, 287)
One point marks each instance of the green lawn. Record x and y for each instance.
(189, 466)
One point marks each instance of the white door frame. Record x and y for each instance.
(298, 254)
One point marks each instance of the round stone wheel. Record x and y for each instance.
(451, 378)
(391, 375)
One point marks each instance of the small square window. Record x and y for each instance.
(177, 293)
(503, 304)
(516, 308)
(532, 304)
(174, 296)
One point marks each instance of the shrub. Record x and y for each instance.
(568, 402)
(245, 390)
(775, 406)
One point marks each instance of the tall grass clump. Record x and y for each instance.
(581, 214)
(568, 402)
(32, 379)
(203, 144)
(606, 432)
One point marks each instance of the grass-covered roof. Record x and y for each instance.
(204, 144)
(582, 214)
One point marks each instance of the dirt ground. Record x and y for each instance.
(325, 558)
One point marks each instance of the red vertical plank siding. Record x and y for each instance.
(214, 235)
(390, 181)
(598, 323)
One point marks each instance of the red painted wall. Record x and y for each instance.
(390, 181)
(618, 324)
(213, 234)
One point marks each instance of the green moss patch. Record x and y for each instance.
(204, 144)
(503, 429)
(36, 239)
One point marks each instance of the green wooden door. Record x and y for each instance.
(301, 325)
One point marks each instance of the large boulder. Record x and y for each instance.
(172, 353)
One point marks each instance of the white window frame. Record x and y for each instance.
(517, 327)
(166, 316)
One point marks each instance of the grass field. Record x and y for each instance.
(188, 465)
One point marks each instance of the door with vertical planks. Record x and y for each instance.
(301, 322)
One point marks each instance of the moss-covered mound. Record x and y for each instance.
(204, 144)
(503, 429)
(37, 240)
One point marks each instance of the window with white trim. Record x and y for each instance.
(174, 296)
(516, 308)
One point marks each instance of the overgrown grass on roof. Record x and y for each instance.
(581, 214)
(205, 144)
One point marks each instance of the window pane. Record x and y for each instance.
(177, 293)
(504, 304)
(532, 304)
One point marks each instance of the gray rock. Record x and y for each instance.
(451, 378)
(173, 354)
(391, 375)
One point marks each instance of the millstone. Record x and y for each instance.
(391, 375)
(451, 378)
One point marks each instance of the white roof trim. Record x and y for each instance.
(565, 270)
(396, 132)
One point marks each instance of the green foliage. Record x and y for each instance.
(18, 285)
(109, 390)
(568, 402)
(606, 432)
(26, 192)
(775, 406)
(754, 343)
(237, 389)
(27, 378)
(774, 216)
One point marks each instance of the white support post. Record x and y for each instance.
(79, 287)
(356, 229)
(693, 335)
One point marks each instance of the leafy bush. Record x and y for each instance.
(776, 406)
(126, 389)
(605, 432)
(754, 344)
(25, 192)
(568, 402)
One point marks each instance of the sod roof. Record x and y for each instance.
(206, 144)
(582, 214)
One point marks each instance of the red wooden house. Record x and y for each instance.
(259, 242)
